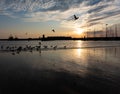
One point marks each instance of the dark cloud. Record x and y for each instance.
(90, 24)
(97, 12)
(97, 9)
(97, 19)
(62, 5)
(45, 5)
(104, 16)
(112, 13)
(40, 5)
(94, 23)
(94, 8)
(93, 2)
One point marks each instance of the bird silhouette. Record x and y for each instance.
(75, 17)
(53, 30)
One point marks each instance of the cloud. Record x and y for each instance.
(90, 12)
(105, 14)
(90, 24)
(97, 9)
(39, 5)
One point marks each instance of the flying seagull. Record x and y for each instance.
(53, 30)
(75, 17)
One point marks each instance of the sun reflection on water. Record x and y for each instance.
(80, 55)
(78, 50)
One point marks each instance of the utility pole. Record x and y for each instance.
(106, 31)
(110, 31)
(116, 30)
(94, 33)
(87, 34)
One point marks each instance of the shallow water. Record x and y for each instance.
(92, 69)
(60, 44)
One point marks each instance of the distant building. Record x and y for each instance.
(10, 37)
(43, 36)
(56, 38)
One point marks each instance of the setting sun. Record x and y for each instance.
(79, 31)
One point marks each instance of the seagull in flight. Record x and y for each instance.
(75, 17)
(53, 30)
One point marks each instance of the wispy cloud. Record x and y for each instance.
(90, 12)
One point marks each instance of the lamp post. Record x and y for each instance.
(115, 30)
(106, 30)
(94, 33)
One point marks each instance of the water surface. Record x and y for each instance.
(80, 68)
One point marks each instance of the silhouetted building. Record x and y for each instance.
(43, 36)
(56, 38)
(10, 37)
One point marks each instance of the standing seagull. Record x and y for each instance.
(75, 17)
(53, 30)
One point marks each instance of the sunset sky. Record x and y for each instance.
(32, 18)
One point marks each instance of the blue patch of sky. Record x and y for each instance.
(7, 21)
(97, 9)
(93, 2)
